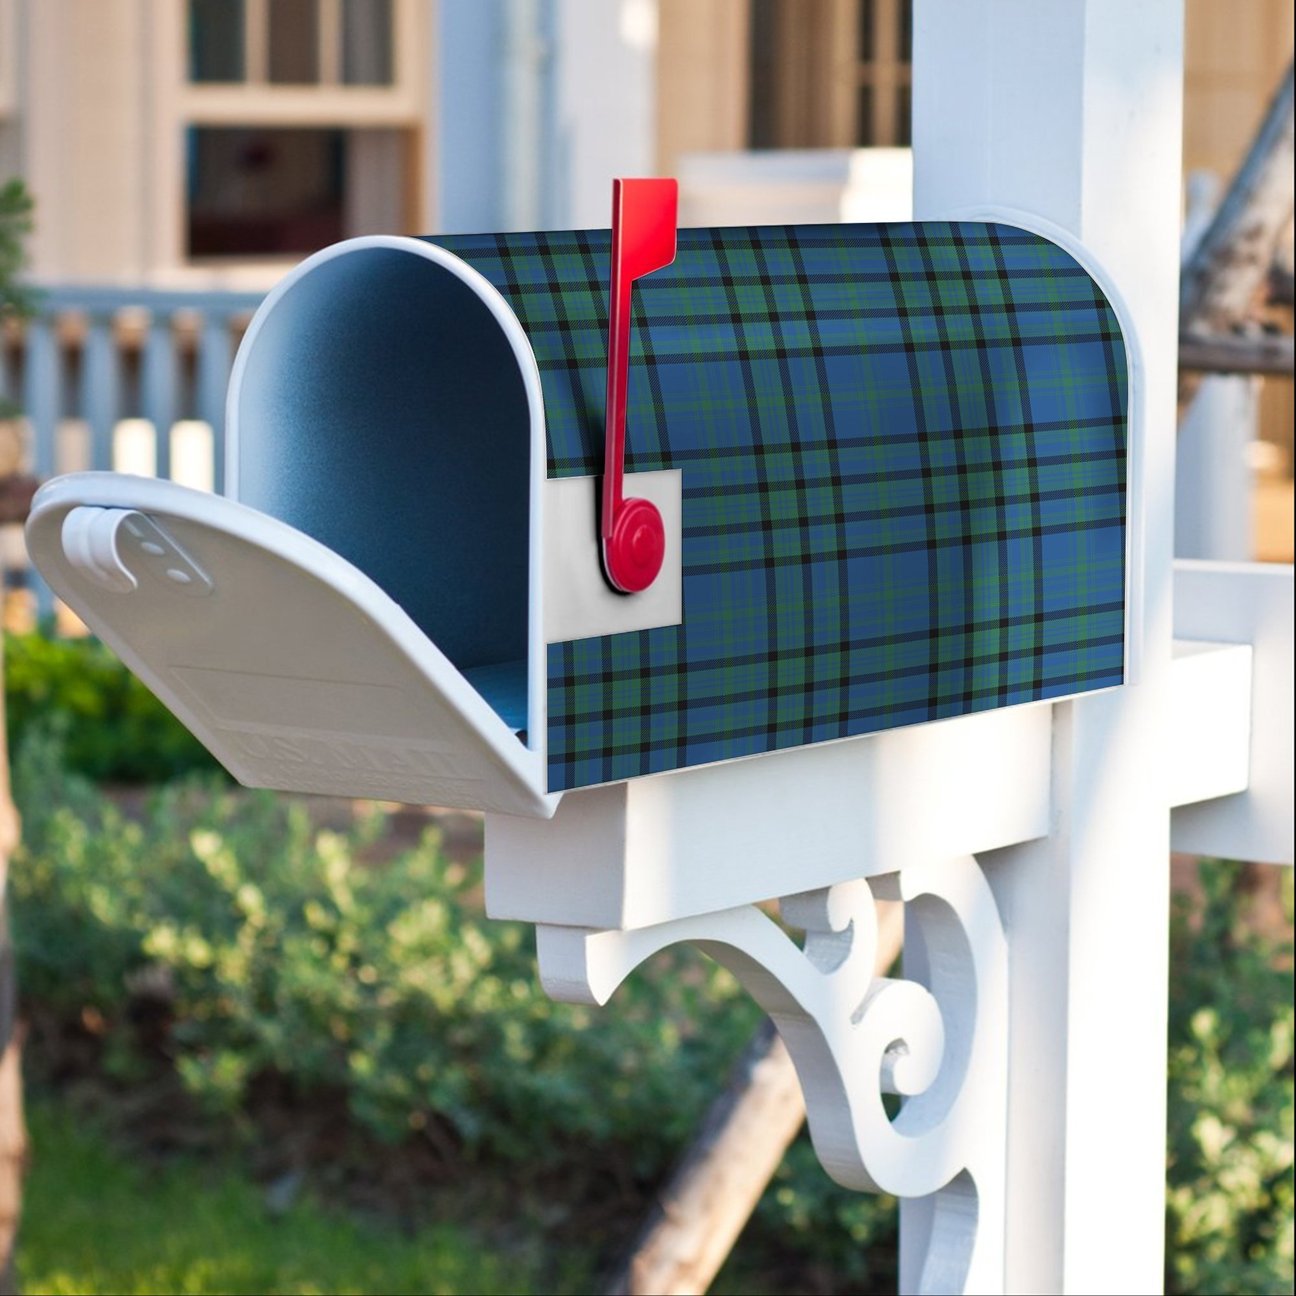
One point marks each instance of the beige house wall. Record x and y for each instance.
(95, 120)
(82, 115)
(702, 83)
(1235, 54)
(10, 151)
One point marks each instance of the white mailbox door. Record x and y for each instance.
(286, 661)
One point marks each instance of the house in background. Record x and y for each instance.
(203, 146)
(211, 142)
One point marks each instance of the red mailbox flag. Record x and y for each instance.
(644, 218)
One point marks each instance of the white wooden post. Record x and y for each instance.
(1072, 112)
(1214, 513)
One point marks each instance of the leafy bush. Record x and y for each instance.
(283, 954)
(16, 299)
(1230, 1198)
(846, 1239)
(112, 727)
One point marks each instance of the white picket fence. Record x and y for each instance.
(131, 380)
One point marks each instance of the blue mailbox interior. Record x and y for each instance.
(382, 411)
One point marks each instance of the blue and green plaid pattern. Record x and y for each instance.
(903, 452)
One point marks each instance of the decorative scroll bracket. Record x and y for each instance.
(938, 1037)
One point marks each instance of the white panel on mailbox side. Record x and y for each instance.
(287, 662)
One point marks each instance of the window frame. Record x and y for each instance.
(255, 100)
(180, 104)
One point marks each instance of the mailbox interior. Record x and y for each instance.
(385, 403)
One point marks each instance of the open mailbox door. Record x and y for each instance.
(291, 665)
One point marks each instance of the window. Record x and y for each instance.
(293, 53)
(216, 50)
(256, 192)
(884, 69)
(264, 192)
(291, 42)
(366, 42)
(297, 123)
(833, 74)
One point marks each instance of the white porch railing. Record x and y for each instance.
(131, 380)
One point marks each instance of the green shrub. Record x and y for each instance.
(283, 954)
(113, 728)
(1230, 1199)
(847, 1239)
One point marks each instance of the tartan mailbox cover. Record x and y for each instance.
(891, 458)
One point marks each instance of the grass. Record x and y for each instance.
(95, 1221)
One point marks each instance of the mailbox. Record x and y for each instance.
(888, 464)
